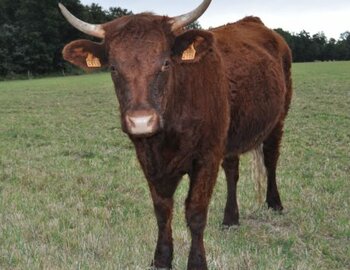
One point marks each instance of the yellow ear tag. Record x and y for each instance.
(92, 61)
(189, 53)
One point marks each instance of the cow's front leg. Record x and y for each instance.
(202, 179)
(163, 208)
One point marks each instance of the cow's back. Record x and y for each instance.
(257, 64)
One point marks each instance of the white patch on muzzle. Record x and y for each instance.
(141, 125)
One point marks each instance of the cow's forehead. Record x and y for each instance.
(141, 26)
(139, 49)
(139, 39)
(148, 39)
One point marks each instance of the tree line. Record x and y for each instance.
(33, 33)
(317, 47)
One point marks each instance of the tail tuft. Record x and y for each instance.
(259, 174)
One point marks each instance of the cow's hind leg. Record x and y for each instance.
(231, 168)
(271, 154)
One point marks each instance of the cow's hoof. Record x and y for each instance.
(276, 207)
(229, 227)
(152, 267)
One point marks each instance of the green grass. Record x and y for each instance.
(72, 195)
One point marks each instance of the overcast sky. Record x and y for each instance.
(330, 16)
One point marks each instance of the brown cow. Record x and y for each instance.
(190, 100)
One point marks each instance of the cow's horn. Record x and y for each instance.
(186, 19)
(95, 30)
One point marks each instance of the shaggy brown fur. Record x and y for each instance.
(231, 98)
(257, 61)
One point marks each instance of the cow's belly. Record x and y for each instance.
(251, 125)
(246, 138)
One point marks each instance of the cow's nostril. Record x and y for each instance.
(129, 121)
(151, 120)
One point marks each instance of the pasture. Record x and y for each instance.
(72, 194)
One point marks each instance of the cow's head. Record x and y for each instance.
(142, 52)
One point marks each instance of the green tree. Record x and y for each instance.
(95, 14)
(343, 46)
(330, 53)
(116, 12)
(194, 25)
(319, 43)
(33, 33)
(11, 53)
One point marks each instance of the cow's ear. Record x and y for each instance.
(86, 54)
(192, 46)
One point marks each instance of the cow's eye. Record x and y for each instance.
(113, 69)
(166, 65)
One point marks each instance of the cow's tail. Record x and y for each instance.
(259, 173)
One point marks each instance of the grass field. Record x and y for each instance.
(72, 195)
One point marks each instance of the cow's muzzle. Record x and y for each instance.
(142, 123)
